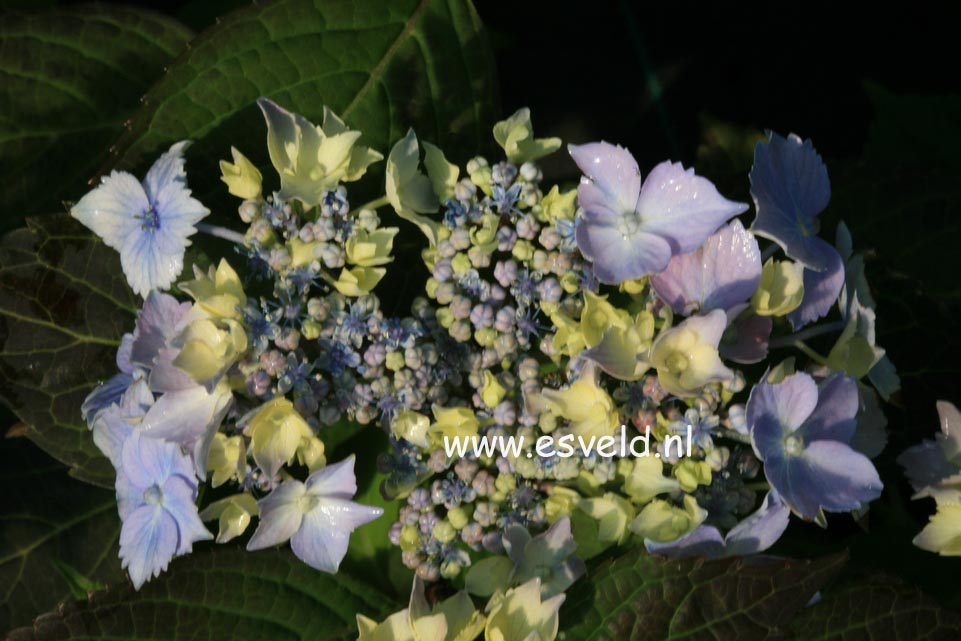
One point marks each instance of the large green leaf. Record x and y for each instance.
(879, 609)
(638, 596)
(382, 66)
(222, 594)
(64, 304)
(69, 78)
(50, 524)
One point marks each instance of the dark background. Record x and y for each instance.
(644, 74)
(655, 76)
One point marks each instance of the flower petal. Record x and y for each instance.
(280, 515)
(821, 291)
(110, 431)
(746, 339)
(334, 481)
(617, 257)
(166, 170)
(103, 396)
(682, 207)
(322, 540)
(148, 540)
(184, 416)
(111, 209)
(828, 475)
(157, 324)
(719, 274)
(149, 261)
(774, 410)
(790, 186)
(760, 530)
(833, 418)
(148, 461)
(612, 180)
(704, 541)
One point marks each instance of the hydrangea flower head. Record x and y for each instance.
(150, 223)
(156, 495)
(802, 430)
(317, 517)
(629, 229)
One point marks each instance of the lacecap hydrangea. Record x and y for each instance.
(632, 304)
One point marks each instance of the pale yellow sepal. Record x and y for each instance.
(310, 159)
(276, 432)
(358, 281)
(520, 615)
(568, 337)
(646, 480)
(443, 174)
(209, 348)
(226, 459)
(598, 316)
(556, 206)
(662, 522)
(409, 191)
(781, 289)
(310, 453)
(585, 404)
(218, 292)
(301, 253)
(454, 422)
(370, 249)
(242, 178)
(396, 627)
(690, 473)
(453, 619)
(233, 514)
(516, 136)
(412, 427)
(942, 534)
(686, 355)
(613, 514)
(492, 392)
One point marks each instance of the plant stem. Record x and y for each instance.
(803, 335)
(810, 353)
(374, 204)
(222, 232)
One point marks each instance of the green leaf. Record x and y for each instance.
(50, 524)
(638, 596)
(222, 594)
(381, 66)
(64, 304)
(69, 77)
(875, 610)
